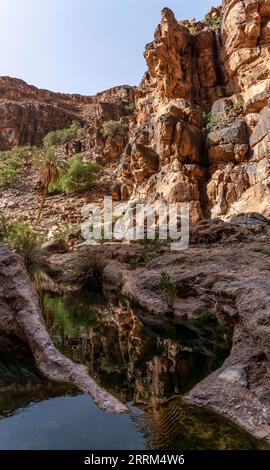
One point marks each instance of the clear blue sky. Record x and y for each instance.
(82, 46)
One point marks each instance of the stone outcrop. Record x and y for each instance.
(218, 67)
(240, 166)
(183, 73)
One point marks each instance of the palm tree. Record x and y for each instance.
(49, 164)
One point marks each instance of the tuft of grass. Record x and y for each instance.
(167, 286)
(88, 270)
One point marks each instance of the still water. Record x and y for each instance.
(148, 367)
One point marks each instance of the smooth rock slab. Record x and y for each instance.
(234, 375)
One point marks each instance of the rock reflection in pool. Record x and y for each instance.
(135, 362)
(38, 414)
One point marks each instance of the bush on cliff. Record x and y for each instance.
(130, 107)
(109, 128)
(61, 136)
(213, 22)
(214, 120)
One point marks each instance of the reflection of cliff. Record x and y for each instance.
(20, 381)
(179, 425)
(136, 363)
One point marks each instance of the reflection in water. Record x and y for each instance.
(179, 425)
(20, 381)
(142, 366)
(134, 362)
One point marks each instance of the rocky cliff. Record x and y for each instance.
(27, 113)
(200, 128)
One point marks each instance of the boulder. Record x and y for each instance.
(56, 246)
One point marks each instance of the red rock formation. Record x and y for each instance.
(218, 67)
(27, 113)
(183, 77)
(216, 71)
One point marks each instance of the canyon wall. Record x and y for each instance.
(27, 113)
(199, 132)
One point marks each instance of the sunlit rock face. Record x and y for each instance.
(199, 132)
(183, 73)
(240, 159)
(219, 67)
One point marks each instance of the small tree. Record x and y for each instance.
(49, 164)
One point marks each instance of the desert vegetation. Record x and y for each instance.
(11, 161)
(167, 287)
(76, 176)
(109, 128)
(20, 237)
(60, 137)
(214, 120)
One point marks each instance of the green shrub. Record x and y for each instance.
(109, 128)
(192, 30)
(66, 230)
(22, 238)
(78, 176)
(214, 23)
(11, 162)
(167, 286)
(61, 136)
(233, 107)
(130, 107)
(213, 120)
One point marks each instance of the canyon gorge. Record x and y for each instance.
(196, 130)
